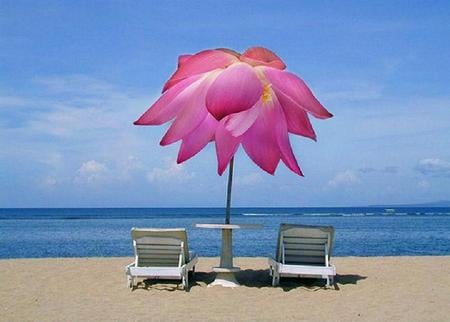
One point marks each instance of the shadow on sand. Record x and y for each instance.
(261, 279)
(252, 278)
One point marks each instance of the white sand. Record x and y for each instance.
(94, 289)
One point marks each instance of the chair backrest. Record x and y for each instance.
(160, 247)
(304, 245)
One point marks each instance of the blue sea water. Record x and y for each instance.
(27, 233)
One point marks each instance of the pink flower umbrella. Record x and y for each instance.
(232, 99)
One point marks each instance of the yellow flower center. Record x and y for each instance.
(266, 95)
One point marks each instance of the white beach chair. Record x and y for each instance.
(303, 251)
(161, 254)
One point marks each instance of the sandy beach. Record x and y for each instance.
(94, 289)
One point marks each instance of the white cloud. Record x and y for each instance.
(122, 170)
(75, 84)
(12, 101)
(393, 119)
(346, 178)
(74, 119)
(172, 172)
(92, 167)
(424, 184)
(367, 170)
(73, 106)
(50, 181)
(250, 179)
(385, 170)
(434, 167)
(132, 163)
(355, 92)
(67, 120)
(53, 159)
(390, 169)
(90, 172)
(127, 168)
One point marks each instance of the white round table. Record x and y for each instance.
(225, 271)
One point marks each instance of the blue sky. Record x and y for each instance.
(74, 75)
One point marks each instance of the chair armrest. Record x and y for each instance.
(332, 266)
(192, 262)
(127, 268)
(272, 262)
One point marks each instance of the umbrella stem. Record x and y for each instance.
(226, 256)
(230, 183)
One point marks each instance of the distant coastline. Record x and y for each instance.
(437, 204)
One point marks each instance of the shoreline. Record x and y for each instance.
(215, 258)
(404, 288)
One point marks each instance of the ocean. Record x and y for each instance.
(35, 233)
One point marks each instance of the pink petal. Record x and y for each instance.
(236, 89)
(240, 122)
(230, 51)
(201, 62)
(281, 133)
(168, 105)
(297, 90)
(193, 111)
(226, 146)
(262, 56)
(297, 119)
(260, 142)
(182, 59)
(198, 138)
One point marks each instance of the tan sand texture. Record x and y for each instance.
(94, 289)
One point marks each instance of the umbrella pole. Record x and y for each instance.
(226, 256)
(230, 183)
(225, 272)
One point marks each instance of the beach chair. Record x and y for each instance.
(160, 254)
(303, 251)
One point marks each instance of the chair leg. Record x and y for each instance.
(328, 282)
(185, 279)
(275, 279)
